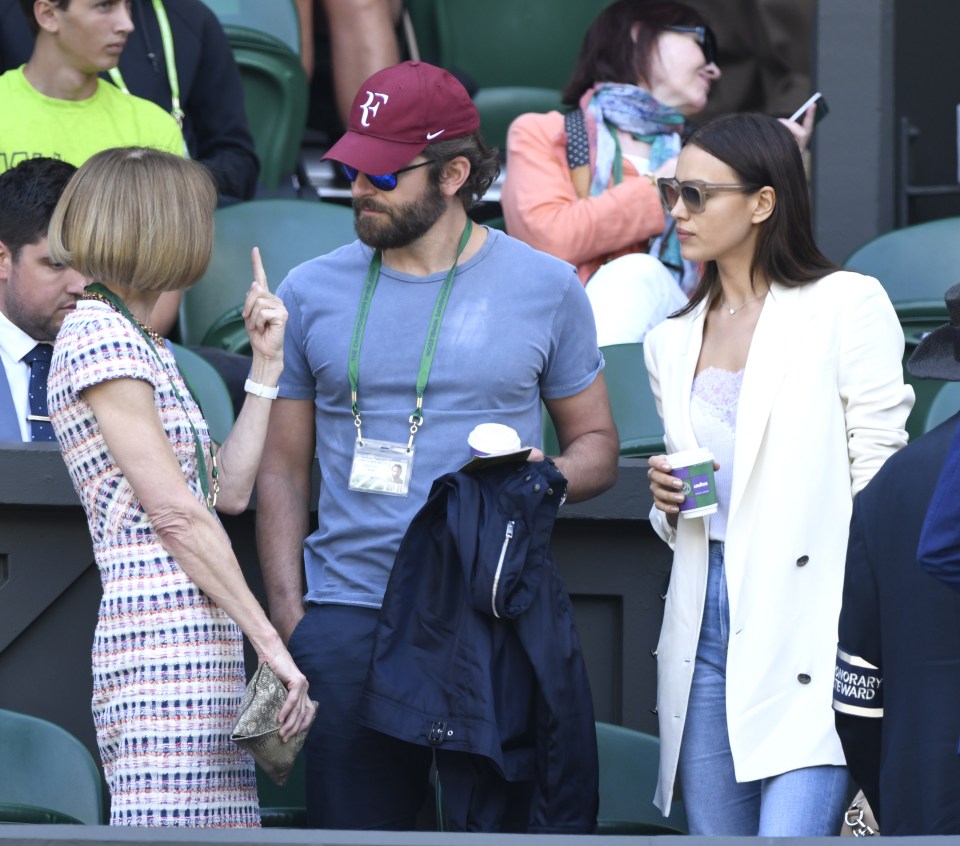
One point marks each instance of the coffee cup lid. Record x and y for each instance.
(689, 456)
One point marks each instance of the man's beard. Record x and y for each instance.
(401, 224)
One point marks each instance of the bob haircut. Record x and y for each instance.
(136, 217)
(610, 54)
(761, 151)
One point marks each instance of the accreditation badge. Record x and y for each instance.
(381, 467)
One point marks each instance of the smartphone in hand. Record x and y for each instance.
(817, 101)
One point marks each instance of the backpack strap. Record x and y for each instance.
(578, 152)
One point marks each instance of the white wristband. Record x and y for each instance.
(259, 390)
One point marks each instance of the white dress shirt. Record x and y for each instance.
(14, 345)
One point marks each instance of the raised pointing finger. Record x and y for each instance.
(259, 274)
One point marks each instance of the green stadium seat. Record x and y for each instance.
(275, 96)
(634, 408)
(944, 404)
(524, 57)
(913, 263)
(46, 774)
(209, 390)
(278, 18)
(288, 233)
(629, 766)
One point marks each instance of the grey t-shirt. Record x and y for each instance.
(518, 327)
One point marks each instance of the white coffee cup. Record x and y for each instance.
(695, 468)
(493, 438)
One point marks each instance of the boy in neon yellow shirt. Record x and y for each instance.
(55, 105)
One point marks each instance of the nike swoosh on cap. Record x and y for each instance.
(432, 135)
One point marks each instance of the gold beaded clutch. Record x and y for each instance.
(257, 730)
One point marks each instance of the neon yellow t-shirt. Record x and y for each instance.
(32, 124)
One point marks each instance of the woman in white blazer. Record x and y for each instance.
(789, 371)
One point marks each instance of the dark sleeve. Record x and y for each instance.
(858, 679)
(16, 40)
(215, 107)
(939, 550)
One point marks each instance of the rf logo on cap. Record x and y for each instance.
(370, 108)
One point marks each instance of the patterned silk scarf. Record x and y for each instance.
(610, 106)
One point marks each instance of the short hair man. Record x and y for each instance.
(35, 293)
(897, 682)
(507, 326)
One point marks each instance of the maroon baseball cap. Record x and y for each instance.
(399, 111)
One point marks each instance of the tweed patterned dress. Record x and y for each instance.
(167, 663)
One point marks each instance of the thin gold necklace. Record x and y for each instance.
(153, 333)
(732, 310)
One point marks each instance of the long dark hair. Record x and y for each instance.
(609, 53)
(761, 151)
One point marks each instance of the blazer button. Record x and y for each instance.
(802, 560)
(803, 678)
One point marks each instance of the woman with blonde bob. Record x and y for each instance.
(168, 668)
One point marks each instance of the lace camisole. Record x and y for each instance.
(713, 415)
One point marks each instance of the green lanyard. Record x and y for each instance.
(169, 59)
(429, 346)
(104, 293)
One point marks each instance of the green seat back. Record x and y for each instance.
(46, 774)
(499, 106)
(528, 49)
(634, 408)
(631, 401)
(503, 42)
(209, 390)
(278, 18)
(917, 317)
(913, 263)
(944, 403)
(629, 764)
(288, 233)
(275, 98)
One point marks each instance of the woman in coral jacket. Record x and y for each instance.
(789, 371)
(585, 192)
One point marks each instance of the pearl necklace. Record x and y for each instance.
(723, 302)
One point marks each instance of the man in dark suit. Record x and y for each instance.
(897, 682)
(35, 294)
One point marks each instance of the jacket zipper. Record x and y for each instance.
(496, 576)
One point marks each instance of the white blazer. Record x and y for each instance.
(823, 404)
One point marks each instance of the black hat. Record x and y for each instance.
(937, 356)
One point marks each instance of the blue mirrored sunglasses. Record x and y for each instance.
(704, 36)
(384, 181)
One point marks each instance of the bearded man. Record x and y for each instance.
(397, 345)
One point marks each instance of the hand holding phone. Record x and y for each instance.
(818, 101)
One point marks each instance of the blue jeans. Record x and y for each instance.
(356, 777)
(807, 802)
